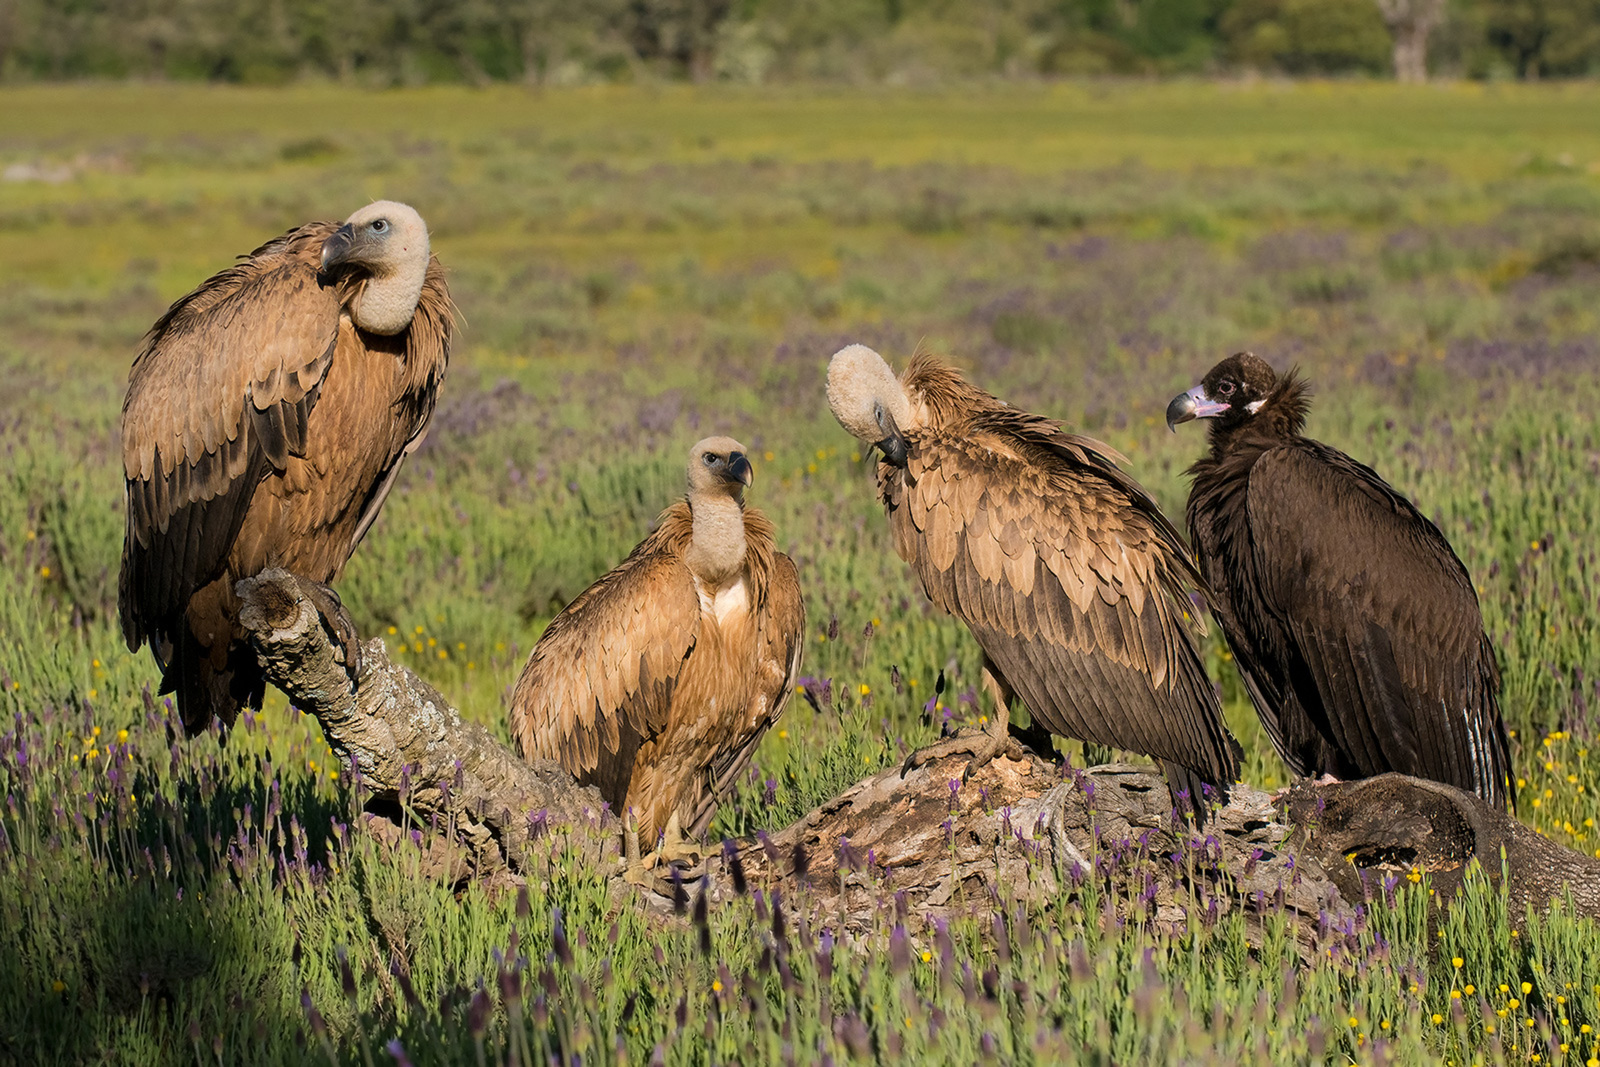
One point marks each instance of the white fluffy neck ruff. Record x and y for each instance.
(387, 301)
(717, 544)
(860, 387)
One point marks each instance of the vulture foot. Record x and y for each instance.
(338, 623)
(982, 745)
(655, 870)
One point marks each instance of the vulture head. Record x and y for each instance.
(1234, 391)
(718, 465)
(385, 247)
(869, 401)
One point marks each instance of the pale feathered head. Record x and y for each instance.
(388, 243)
(719, 465)
(869, 401)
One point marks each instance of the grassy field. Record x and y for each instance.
(638, 269)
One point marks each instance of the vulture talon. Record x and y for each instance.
(336, 619)
(979, 744)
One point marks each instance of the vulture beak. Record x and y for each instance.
(738, 469)
(338, 248)
(892, 444)
(1193, 404)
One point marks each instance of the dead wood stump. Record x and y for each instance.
(927, 843)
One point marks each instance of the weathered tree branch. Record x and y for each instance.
(926, 841)
(408, 746)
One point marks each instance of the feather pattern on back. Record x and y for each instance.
(1064, 569)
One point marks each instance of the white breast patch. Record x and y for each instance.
(726, 603)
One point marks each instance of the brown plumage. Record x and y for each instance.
(1063, 568)
(1354, 624)
(267, 415)
(659, 680)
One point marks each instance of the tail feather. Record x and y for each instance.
(1191, 793)
(205, 691)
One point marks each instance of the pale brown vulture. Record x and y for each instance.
(267, 415)
(1063, 568)
(1354, 624)
(656, 684)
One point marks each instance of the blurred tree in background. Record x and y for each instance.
(898, 41)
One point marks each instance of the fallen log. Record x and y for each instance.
(927, 841)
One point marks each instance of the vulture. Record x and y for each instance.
(658, 681)
(1073, 582)
(267, 414)
(1355, 626)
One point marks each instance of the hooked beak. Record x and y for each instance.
(1193, 404)
(738, 469)
(337, 249)
(892, 444)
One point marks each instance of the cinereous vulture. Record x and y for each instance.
(658, 681)
(267, 415)
(1354, 625)
(1063, 568)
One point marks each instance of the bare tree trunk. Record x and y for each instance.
(927, 840)
(1411, 22)
(1411, 53)
(404, 741)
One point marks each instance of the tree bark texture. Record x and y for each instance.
(927, 841)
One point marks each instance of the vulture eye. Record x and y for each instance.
(711, 460)
(380, 225)
(1224, 388)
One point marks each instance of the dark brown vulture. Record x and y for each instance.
(1063, 568)
(267, 415)
(1354, 625)
(658, 681)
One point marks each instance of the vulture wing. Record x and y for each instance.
(1220, 528)
(218, 396)
(600, 681)
(780, 644)
(1072, 581)
(1388, 638)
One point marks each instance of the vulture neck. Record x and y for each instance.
(1281, 417)
(944, 398)
(717, 543)
(384, 303)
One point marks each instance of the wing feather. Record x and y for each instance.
(217, 396)
(600, 681)
(1383, 616)
(1071, 581)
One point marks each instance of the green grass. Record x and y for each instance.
(638, 269)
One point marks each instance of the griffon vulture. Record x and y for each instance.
(656, 684)
(1354, 625)
(267, 415)
(1063, 568)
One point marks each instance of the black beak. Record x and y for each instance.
(336, 249)
(892, 444)
(738, 469)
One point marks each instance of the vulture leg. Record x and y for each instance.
(981, 743)
(338, 623)
(672, 850)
